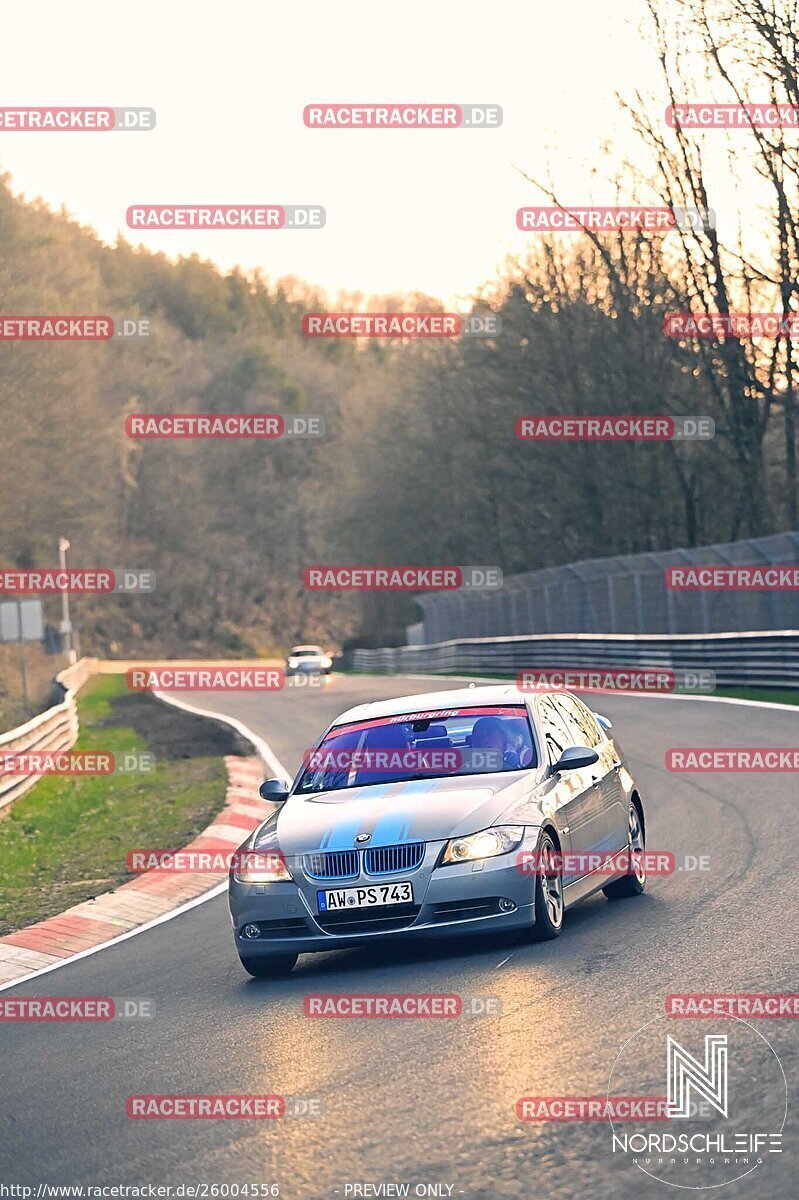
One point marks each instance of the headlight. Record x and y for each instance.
(486, 844)
(292, 663)
(326, 661)
(254, 867)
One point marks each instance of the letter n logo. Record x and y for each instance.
(708, 1080)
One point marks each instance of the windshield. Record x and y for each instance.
(466, 741)
(306, 652)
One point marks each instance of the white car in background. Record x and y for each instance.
(310, 660)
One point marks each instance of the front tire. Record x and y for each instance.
(271, 967)
(633, 883)
(548, 904)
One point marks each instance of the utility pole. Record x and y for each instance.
(23, 672)
(66, 625)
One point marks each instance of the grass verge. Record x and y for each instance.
(770, 695)
(67, 839)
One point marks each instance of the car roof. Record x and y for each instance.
(307, 646)
(434, 702)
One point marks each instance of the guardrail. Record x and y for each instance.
(757, 659)
(57, 728)
(53, 730)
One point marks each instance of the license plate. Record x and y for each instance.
(365, 897)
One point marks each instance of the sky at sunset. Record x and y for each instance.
(430, 211)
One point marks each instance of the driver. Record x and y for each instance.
(488, 733)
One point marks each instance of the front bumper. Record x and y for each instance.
(459, 900)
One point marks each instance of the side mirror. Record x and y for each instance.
(276, 790)
(605, 722)
(574, 758)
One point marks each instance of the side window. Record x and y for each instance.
(582, 726)
(553, 728)
(589, 724)
(573, 729)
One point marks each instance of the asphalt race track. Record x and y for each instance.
(426, 1100)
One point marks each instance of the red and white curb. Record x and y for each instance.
(155, 896)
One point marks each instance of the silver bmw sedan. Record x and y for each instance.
(458, 813)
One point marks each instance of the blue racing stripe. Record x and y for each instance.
(393, 827)
(342, 835)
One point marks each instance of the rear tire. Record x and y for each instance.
(548, 903)
(268, 968)
(635, 882)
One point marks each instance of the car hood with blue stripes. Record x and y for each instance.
(392, 813)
